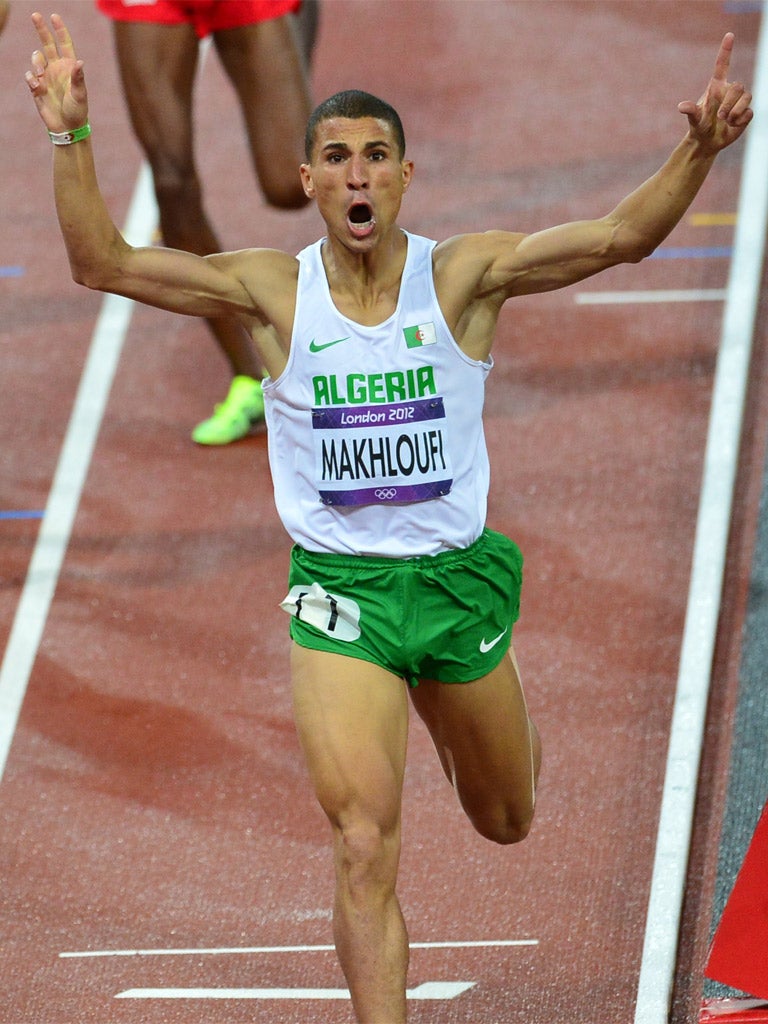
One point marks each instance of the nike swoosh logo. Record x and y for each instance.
(314, 347)
(486, 646)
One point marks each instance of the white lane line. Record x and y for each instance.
(657, 971)
(428, 990)
(69, 478)
(663, 295)
(239, 950)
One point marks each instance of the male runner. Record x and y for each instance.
(377, 343)
(264, 47)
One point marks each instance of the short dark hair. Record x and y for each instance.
(354, 104)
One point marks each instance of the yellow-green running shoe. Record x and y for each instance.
(234, 417)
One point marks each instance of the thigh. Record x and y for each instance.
(487, 744)
(157, 68)
(352, 720)
(268, 75)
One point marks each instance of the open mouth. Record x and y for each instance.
(360, 218)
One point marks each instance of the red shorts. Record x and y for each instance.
(206, 16)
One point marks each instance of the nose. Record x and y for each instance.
(357, 176)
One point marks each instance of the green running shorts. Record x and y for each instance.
(446, 617)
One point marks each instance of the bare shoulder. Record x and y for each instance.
(464, 270)
(270, 278)
(274, 266)
(472, 256)
(477, 246)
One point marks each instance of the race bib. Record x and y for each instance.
(377, 454)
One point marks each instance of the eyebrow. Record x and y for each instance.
(374, 144)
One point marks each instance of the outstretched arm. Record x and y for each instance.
(521, 264)
(98, 255)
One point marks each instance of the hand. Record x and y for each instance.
(56, 81)
(723, 112)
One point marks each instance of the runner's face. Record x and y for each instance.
(357, 178)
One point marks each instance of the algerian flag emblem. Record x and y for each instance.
(421, 334)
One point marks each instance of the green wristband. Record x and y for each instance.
(67, 138)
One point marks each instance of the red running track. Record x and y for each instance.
(154, 798)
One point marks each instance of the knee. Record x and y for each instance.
(503, 825)
(183, 222)
(366, 856)
(284, 194)
(509, 819)
(177, 186)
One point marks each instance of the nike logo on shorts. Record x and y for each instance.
(315, 347)
(487, 645)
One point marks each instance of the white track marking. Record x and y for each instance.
(69, 478)
(251, 950)
(438, 990)
(671, 295)
(657, 971)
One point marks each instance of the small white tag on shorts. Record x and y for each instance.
(337, 617)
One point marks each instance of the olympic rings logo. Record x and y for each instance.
(385, 493)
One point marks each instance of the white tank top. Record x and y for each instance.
(375, 434)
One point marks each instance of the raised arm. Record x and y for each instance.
(505, 264)
(57, 84)
(98, 254)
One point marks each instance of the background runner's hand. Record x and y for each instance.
(56, 81)
(723, 112)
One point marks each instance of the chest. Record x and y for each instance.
(369, 309)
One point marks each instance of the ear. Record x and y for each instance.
(407, 166)
(306, 181)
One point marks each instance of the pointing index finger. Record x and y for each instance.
(723, 59)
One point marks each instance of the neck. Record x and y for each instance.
(347, 267)
(365, 286)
